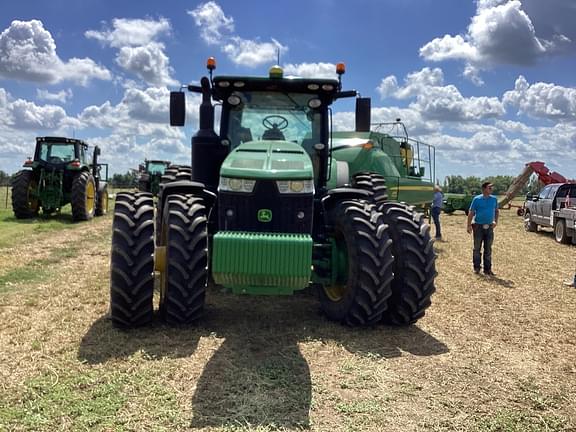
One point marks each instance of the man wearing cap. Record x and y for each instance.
(482, 219)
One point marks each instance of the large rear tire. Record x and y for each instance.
(132, 262)
(83, 199)
(373, 183)
(184, 281)
(361, 265)
(25, 203)
(414, 264)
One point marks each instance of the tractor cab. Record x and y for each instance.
(156, 166)
(59, 152)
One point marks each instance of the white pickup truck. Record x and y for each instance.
(554, 207)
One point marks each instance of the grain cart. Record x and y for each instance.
(60, 174)
(403, 166)
(150, 175)
(269, 211)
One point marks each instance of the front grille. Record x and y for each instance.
(284, 207)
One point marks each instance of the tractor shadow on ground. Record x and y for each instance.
(258, 375)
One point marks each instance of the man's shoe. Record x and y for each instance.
(477, 271)
(489, 273)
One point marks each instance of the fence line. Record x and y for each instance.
(6, 193)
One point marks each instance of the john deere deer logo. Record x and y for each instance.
(264, 215)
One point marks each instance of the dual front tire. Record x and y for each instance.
(181, 256)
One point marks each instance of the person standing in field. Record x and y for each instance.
(436, 209)
(482, 219)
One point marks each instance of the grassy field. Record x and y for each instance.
(491, 354)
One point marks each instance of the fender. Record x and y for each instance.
(336, 195)
(185, 187)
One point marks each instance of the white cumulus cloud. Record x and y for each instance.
(218, 29)
(542, 100)
(311, 70)
(62, 96)
(28, 53)
(148, 62)
(501, 32)
(437, 101)
(131, 32)
(213, 23)
(139, 51)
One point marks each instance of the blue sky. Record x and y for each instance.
(490, 83)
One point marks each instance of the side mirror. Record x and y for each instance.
(177, 108)
(97, 151)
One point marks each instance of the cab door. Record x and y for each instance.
(545, 209)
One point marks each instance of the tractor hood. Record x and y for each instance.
(278, 160)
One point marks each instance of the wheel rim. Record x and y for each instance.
(90, 197)
(105, 202)
(31, 196)
(337, 290)
(559, 231)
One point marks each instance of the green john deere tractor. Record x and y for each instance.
(60, 174)
(270, 210)
(150, 175)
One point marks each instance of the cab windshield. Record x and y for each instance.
(261, 115)
(156, 167)
(57, 153)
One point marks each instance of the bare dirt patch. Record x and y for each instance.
(492, 354)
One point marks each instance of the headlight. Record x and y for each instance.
(295, 186)
(236, 185)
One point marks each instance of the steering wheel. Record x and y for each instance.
(276, 122)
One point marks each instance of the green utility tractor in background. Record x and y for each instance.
(154, 173)
(270, 210)
(404, 165)
(60, 173)
(150, 175)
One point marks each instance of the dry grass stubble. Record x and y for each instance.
(491, 353)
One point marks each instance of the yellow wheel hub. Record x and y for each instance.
(104, 204)
(335, 292)
(90, 196)
(31, 195)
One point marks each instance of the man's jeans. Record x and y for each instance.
(485, 236)
(435, 212)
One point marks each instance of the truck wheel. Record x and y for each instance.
(560, 233)
(528, 224)
(132, 263)
(414, 264)
(25, 203)
(185, 277)
(102, 204)
(83, 199)
(361, 265)
(372, 182)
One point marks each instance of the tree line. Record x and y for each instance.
(473, 185)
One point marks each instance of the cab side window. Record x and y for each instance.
(544, 192)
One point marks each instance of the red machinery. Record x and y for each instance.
(544, 175)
